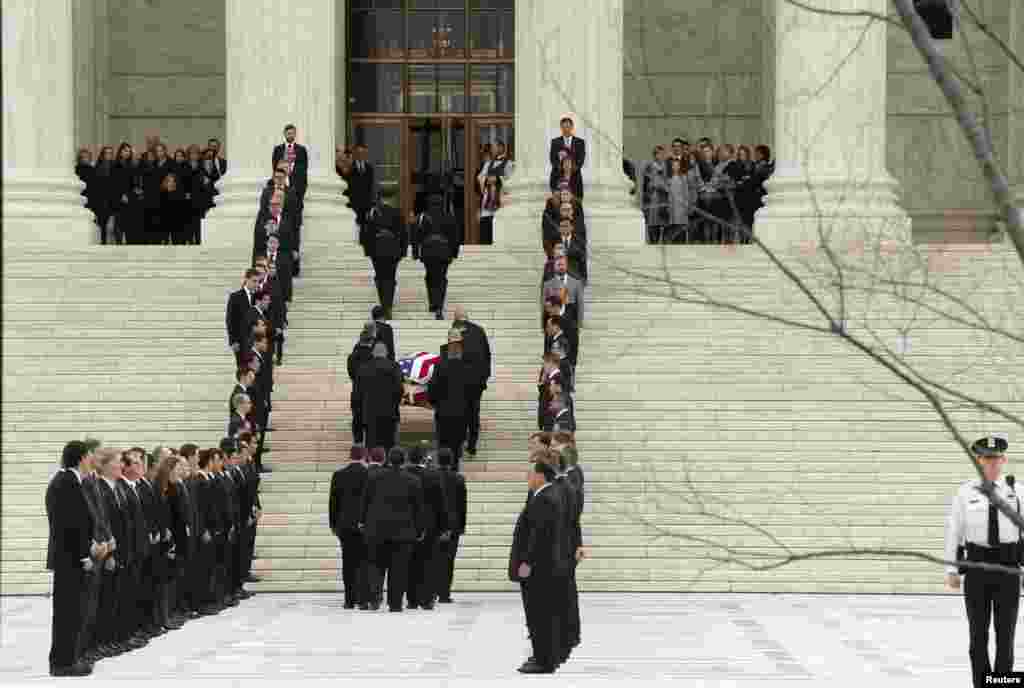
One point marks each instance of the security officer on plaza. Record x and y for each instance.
(977, 532)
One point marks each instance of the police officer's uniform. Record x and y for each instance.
(977, 532)
(387, 243)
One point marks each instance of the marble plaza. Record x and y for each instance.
(628, 640)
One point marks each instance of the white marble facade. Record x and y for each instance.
(692, 69)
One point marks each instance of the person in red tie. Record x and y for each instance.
(297, 157)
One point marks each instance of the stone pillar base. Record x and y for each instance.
(326, 217)
(46, 212)
(802, 212)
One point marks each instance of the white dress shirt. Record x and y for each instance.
(968, 518)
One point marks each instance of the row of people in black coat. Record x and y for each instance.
(701, 194)
(401, 521)
(434, 237)
(547, 546)
(150, 198)
(140, 543)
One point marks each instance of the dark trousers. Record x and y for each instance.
(487, 230)
(111, 607)
(250, 548)
(357, 420)
(424, 571)
(449, 550)
(353, 565)
(991, 597)
(573, 618)
(204, 582)
(380, 432)
(392, 558)
(451, 431)
(473, 427)
(68, 585)
(90, 608)
(544, 617)
(385, 270)
(436, 280)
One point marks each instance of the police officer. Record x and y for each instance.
(387, 242)
(976, 528)
(435, 242)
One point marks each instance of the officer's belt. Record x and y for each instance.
(1007, 553)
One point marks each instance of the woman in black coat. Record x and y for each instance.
(197, 197)
(172, 216)
(746, 189)
(155, 173)
(104, 188)
(122, 192)
(86, 173)
(164, 561)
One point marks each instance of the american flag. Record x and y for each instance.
(417, 371)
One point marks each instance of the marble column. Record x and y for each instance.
(280, 69)
(565, 65)
(830, 130)
(42, 202)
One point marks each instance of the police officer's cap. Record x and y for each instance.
(990, 445)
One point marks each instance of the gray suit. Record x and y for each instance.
(574, 289)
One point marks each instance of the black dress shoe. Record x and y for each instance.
(428, 606)
(438, 315)
(136, 643)
(364, 607)
(445, 600)
(349, 605)
(76, 669)
(194, 614)
(375, 606)
(535, 668)
(252, 579)
(412, 606)
(394, 609)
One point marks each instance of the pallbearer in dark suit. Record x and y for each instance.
(392, 522)
(211, 529)
(476, 351)
(426, 566)
(69, 555)
(449, 391)
(435, 239)
(343, 513)
(571, 146)
(379, 390)
(383, 331)
(455, 496)
(246, 446)
(538, 563)
(388, 242)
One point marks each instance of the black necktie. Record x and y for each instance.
(993, 525)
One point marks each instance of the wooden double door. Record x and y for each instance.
(420, 157)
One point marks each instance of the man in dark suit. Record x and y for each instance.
(362, 353)
(455, 496)
(476, 351)
(343, 514)
(384, 332)
(537, 562)
(70, 554)
(387, 242)
(244, 379)
(426, 565)
(361, 183)
(220, 163)
(135, 550)
(261, 394)
(281, 273)
(379, 390)
(571, 332)
(392, 521)
(89, 642)
(571, 146)
(297, 157)
(435, 238)
(238, 305)
(449, 390)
